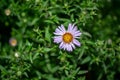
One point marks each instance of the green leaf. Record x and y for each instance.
(87, 34)
(46, 49)
(2, 68)
(35, 56)
(47, 34)
(82, 72)
(49, 21)
(81, 54)
(30, 57)
(87, 59)
(34, 21)
(66, 72)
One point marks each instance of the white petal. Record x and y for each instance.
(75, 28)
(73, 46)
(61, 45)
(77, 34)
(58, 32)
(76, 42)
(62, 28)
(58, 39)
(70, 27)
(69, 47)
(65, 46)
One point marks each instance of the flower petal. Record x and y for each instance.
(77, 34)
(58, 32)
(70, 27)
(69, 48)
(76, 42)
(73, 46)
(75, 28)
(61, 45)
(57, 39)
(65, 46)
(62, 28)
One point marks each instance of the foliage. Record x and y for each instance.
(36, 57)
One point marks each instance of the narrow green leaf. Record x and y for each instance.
(82, 72)
(81, 54)
(35, 56)
(87, 59)
(47, 34)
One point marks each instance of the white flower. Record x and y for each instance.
(7, 12)
(67, 38)
(16, 55)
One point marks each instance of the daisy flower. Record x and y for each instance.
(13, 42)
(7, 12)
(67, 38)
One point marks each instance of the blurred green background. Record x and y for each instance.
(27, 51)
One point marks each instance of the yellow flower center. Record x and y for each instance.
(67, 37)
